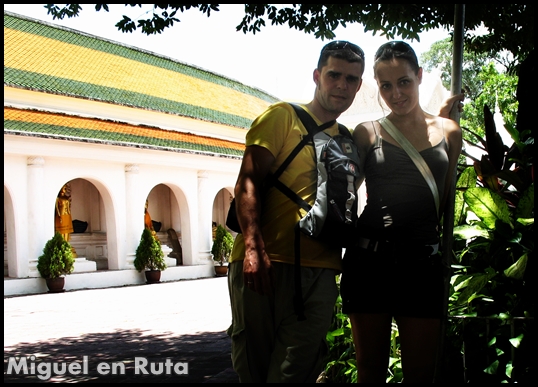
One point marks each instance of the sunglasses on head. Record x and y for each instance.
(343, 45)
(397, 46)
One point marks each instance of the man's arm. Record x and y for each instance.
(257, 271)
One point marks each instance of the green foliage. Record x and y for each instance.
(492, 291)
(496, 89)
(395, 373)
(440, 55)
(341, 364)
(483, 82)
(149, 255)
(222, 245)
(57, 258)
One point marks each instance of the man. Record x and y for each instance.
(269, 343)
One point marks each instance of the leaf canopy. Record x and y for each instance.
(509, 26)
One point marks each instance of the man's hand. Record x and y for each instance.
(258, 273)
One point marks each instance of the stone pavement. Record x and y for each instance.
(174, 327)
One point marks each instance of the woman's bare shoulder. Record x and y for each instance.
(443, 124)
(364, 134)
(366, 127)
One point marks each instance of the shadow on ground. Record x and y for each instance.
(207, 356)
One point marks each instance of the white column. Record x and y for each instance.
(132, 216)
(205, 207)
(38, 217)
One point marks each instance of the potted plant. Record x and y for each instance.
(55, 262)
(149, 257)
(222, 248)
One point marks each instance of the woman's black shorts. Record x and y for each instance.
(398, 282)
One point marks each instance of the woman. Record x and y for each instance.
(395, 269)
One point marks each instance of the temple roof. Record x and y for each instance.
(51, 59)
(74, 128)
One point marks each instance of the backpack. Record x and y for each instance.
(333, 216)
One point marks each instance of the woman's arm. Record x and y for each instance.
(453, 137)
(449, 106)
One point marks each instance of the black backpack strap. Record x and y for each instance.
(344, 131)
(271, 178)
(292, 195)
(312, 129)
(309, 122)
(298, 303)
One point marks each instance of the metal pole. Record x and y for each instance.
(448, 217)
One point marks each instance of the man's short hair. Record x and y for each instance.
(340, 49)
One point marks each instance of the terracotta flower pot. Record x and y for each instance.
(153, 276)
(55, 285)
(221, 270)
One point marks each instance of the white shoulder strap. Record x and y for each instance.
(415, 156)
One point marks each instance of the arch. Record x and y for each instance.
(181, 221)
(12, 268)
(221, 205)
(87, 207)
(113, 228)
(92, 201)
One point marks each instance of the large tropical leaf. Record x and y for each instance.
(459, 208)
(487, 172)
(467, 232)
(517, 270)
(467, 178)
(525, 207)
(494, 142)
(474, 286)
(487, 205)
(512, 178)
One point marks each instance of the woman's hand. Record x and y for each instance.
(452, 106)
